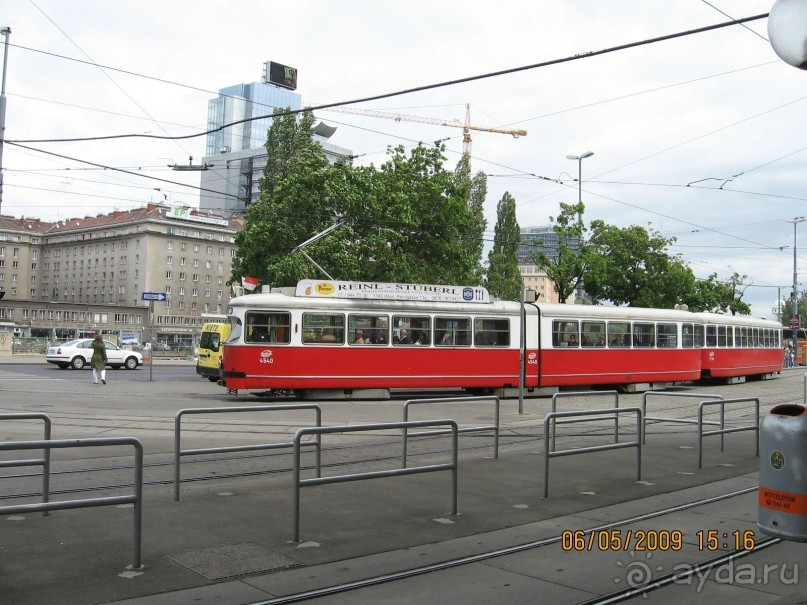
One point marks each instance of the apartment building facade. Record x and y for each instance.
(72, 278)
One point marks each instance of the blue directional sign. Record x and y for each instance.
(158, 296)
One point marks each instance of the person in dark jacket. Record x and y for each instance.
(98, 361)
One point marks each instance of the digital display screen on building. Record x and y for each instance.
(280, 75)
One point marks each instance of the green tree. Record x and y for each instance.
(406, 221)
(711, 295)
(567, 268)
(632, 266)
(733, 291)
(477, 191)
(426, 216)
(704, 296)
(299, 195)
(503, 278)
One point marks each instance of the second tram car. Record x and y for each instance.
(330, 335)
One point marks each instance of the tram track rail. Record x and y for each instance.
(614, 597)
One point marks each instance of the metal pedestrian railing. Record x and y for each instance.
(136, 498)
(44, 461)
(589, 415)
(179, 452)
(646, 418)
(722, 430)
(572, 394)
(474, 429)
(398, 472)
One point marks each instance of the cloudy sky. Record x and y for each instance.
(701, 137)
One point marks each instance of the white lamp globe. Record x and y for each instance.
(787, 31)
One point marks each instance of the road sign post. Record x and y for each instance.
(152, 297)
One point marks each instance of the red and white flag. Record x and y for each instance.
(250, 283)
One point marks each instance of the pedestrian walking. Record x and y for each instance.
(98, 361)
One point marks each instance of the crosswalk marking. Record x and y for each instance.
(11, 375)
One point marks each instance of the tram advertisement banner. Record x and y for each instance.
(314, 288)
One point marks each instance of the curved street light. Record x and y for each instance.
(580, 159)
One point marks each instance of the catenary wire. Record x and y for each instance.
(512, 70)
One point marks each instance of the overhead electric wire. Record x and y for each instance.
(426, 87)
(111, 79)
(512, 70)
(107, 197)
(65, 157)
(730, 17)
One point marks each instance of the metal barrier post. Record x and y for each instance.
(44, 461)
(474, 429)
(722, 430)
(645, 417)
(550, 419)
(300, 483)
(557, 396)
(237, 448)
(136, 498)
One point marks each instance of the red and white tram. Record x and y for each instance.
(330, 335)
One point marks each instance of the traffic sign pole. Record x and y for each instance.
(152, 297)
(151, 338)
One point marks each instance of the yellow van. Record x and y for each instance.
(209, 358)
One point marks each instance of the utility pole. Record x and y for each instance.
(6, 32)
(795, 320)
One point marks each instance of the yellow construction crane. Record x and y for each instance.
(466, 127)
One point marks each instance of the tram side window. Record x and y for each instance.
(267, 328)
(593, 334)
(687, 336)
(698, 340)
(667, 336)
(452, 331)
(721, 336)
(755, 337)
(323, 328)
(368, 329)
(565, 333)
(743, 337)
(619, 334)
(408, 330)
(730, 336)
(711, 336)
(491, 332)
(644, 335)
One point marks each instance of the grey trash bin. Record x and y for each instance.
(783, 473)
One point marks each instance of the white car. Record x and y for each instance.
(77, 353)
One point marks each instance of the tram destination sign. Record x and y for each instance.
(313, 288)
(154, 296)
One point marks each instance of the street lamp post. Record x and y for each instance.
(580, 159)
(5, 31)
(795, 322)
